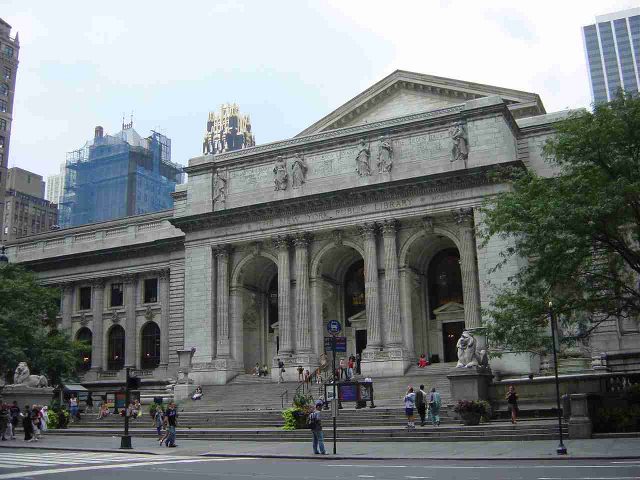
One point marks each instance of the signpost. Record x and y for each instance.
(334, 328)
(132, 383)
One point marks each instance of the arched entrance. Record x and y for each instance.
(255, 288)
(150, 346)
(84, 335)
(337, 275)
(436, 306)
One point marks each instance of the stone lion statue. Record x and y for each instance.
(467, 355)
(22, 376)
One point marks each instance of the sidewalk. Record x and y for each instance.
(512, 450)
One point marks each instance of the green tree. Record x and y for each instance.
(28, 330)
(579, 231)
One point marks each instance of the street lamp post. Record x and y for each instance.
(562, 450)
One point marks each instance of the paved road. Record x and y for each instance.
(18, 463)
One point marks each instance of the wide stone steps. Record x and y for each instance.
(486, 432)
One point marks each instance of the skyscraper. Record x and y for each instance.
(55, 185)
(612, 47)
(9, 48)
(229, 130)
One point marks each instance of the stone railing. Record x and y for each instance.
(108, 374)
(619, 382)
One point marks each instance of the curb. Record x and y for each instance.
(327, 457)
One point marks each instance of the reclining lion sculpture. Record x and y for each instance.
(467, 355)
(22, 376)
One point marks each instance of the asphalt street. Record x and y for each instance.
(45, 464)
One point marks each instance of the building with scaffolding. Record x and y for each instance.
(120, 175)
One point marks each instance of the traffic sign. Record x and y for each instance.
(334, 327)
(341, 344)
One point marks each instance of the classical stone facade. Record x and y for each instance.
(367, 217)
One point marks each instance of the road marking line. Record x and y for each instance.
(116, 465)
(369, 466)
(411, 476)
(366, 476)
(6, 465)
(487, 467)
(589, 478)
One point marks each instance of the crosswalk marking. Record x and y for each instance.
(35, 459)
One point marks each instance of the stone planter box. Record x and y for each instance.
(470, 418)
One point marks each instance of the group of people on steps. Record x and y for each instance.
(428, 405)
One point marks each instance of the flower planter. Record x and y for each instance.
(470, 418)
(301, 420)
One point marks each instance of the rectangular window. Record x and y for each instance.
(7, 73)
(151, 290)
(117, 296)
(8, 51)
(3, 105)
(1, 141)
(85, 298)
(3, 124)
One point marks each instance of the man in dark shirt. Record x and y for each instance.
(315, 420)
(14, 414)
(171, 416)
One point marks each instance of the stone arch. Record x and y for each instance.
(318, 257)
(116, 347)
(237, 272)
(84, 334)
(437, 230)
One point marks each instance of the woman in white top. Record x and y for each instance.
(409, 404)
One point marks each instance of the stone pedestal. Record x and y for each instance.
(390, 362)
(470, 383)
(27, 395)
(579, 423)
(182, 392)
(218, 372)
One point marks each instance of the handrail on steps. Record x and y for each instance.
(282, 397)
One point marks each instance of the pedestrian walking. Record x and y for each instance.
(44, 417)
(158, 421)
(434, 407)
(315, 424)
(409, 404)
(5, 421)
(172, 423)
(27, 424)
(300, 373)
(343, 369)
(421, 405)
(280, 371)
(35, 420)
(73, 407)
(350, 366)
(512, 403)
(14, 413)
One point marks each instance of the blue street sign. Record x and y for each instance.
(334, 327)
(341, 344)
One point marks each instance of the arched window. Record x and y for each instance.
(445, 280)
(115, 359)
(85, 335)
(150, 346)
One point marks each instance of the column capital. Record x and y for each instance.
(129, 278)
(281, 242)
(338, 237)
(66, 287)
(302, 240)
(222, 250)
(163, 273)
(390, 227)
(368, 229)
(464, 217)
(98, 283)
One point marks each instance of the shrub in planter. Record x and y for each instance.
(52, 421)
(294, 418)
(471, 411)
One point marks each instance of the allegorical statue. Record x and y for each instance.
(468, 356)
(362, 160)
(460, 147)
(298, 171)
(22, 376)
(385, 156)
(280, 175)
(219, 187)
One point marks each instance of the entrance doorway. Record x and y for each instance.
(451, 332)
(361, 341)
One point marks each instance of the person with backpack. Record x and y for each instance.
(409, 403)
(421, 405)
(280, 371)
(314, 421)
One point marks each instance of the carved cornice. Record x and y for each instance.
(459, 180)
(428, 224)
(338, 237)
(369, 128)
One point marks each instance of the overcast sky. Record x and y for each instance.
(287, 64)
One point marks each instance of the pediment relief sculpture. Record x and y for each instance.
(385, 156)
(298, 171)
(219, 187)
(362, 160)
(460, 143)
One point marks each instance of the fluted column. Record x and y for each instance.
(164, 317)
(97, 335)
(284, 289)
(391, 280)
(372, 303)
(222, 300)
(67, 305)
(130, 322)
(303, 330)
(469, 268)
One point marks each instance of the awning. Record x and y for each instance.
(75, 387)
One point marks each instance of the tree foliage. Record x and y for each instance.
(578, 231)
(28, 330)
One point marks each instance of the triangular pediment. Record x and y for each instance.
(449, 308)
(404, 93)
